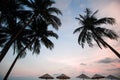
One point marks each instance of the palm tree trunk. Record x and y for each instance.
(7, 46)
(11, 67)
(116, 53)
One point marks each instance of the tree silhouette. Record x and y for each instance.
(39, 34)
(90, 30)
(12, 18)
(31, 27)
(39, 9)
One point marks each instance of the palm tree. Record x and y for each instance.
(39, 34)
(22, 53)
(90, 30)
(22, 40)
(10, 18)
(38, 23)
(40, 9)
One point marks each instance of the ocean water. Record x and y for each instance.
(33, 78)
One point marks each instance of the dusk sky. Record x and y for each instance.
(67, 56)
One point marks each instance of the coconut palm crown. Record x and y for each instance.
(90, 30)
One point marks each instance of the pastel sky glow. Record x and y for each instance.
(67, 56)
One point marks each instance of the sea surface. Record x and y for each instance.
(34, 78)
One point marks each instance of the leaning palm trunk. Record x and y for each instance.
(8, 45)
(116, 53)
(20, 53)
(11, 67)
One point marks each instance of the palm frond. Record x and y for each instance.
(24, 14)
(110, 34)
(78, 29)
(88, 12)
(54, 10)
(105, 20)
(89, 38)
(2, 42)
(48, 3)
(55, 22)
(82, 17)
(23, 54)
(47, 43)
(77, 18)
(94, 13)
(81, 38)
(36, 46)
(80, 20)
(99, 38)
(52, 34)
(19, 47)
(26, 3)
(107, 32)
(97, 41)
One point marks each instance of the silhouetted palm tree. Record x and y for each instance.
(41, 9)
(90, 30)
(11, 15)
(39, 34)
(38, 23)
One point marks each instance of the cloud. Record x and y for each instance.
(83, 64)
(108, 60)
(114, 69)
